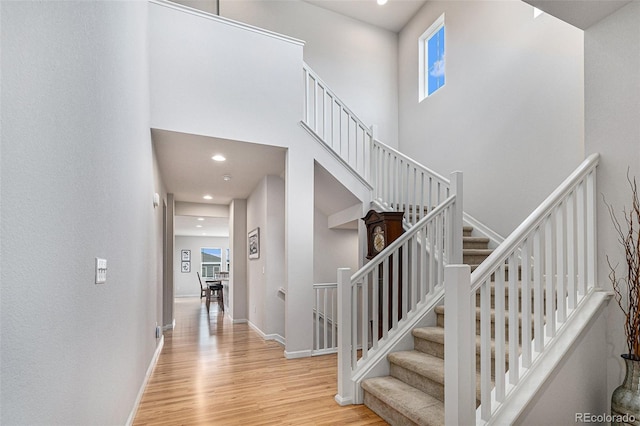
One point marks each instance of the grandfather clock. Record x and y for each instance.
(383, 228)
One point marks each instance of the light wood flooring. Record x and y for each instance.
(213, 372)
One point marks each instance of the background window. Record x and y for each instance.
(432, 59)
(211, 261)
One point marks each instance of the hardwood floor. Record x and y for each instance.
(213, 372)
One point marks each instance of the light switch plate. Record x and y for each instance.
(101, 270)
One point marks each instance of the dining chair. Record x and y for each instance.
(203, 289)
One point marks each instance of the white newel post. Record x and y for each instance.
(459, 347)
(455, 228)
(345, 385)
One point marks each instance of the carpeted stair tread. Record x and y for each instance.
(409, 402)
(436, 335)
(439, 310)
(420, 363)
(475, 243)
(477, 251)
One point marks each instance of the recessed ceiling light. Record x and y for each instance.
(201, 218)
(208, 197)
(226, 178)
(204, 233)
(198, 226)
(218, 157)
(382, 2)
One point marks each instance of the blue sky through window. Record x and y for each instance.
(210, 253)
(435, 61)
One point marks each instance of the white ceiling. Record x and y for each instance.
(392, 16)
(579, 13)
(189, 173)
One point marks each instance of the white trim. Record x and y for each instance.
(297, 354)
(343, 401)
(143, 387)
(227, 21)
(239, 321)
(278, 338)
(275, 336)
(422, 48)
(170, 326)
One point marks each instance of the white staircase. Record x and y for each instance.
(551, 253)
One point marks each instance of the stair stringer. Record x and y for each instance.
(399, 339)
(339, 168)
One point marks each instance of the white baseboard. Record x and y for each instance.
(169, 326)
(343, 401)
(239, 321)
(278, 338)
(297, 354)
(152, 365)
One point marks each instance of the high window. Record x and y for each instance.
(211, 261)
(432, 59)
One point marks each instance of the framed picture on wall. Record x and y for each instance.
(186, 267)
(185, 255)
(254, 244)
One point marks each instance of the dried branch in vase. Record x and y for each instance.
(629, 238)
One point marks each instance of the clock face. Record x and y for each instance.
(378, 239)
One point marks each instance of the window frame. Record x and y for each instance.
(423, 56)
(210, 264)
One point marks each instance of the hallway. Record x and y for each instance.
(213, 372)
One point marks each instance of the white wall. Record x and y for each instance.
(186, 284)
(333, 249)
(577, 382)
(612, 92)
(201, 209)
(510, 116)
(238, 247)
(77, 183)
(266, 275)
(208, 76)
(358, 61)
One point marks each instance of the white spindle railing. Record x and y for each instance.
(402, 184)
(339, 128)
(325, 319)
(537, 278)
(393, 285)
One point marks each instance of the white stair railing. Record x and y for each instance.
(325, 319)
(402, 184)
(538, 278)
(393, 286)
(339, 128)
